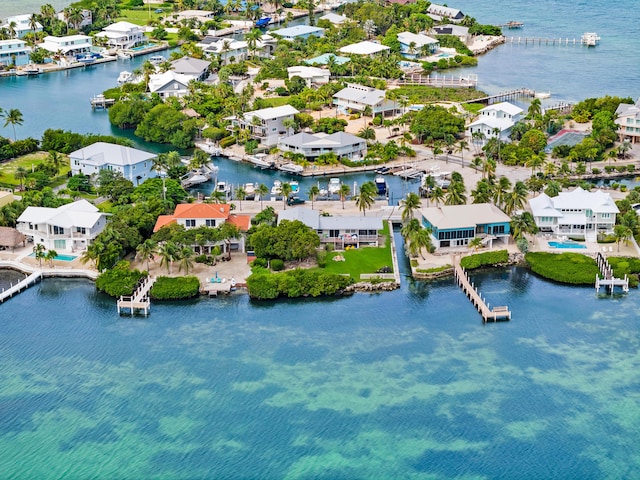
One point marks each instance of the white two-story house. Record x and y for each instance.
(123, 35)
(416, 45)
(21, 25)
(135, 165)
(577, 213)
(496, 121)
(14, 52)
(267, 124)
(628, 121)
(343, 145)
(69, 228)
(358, 97)
(70, 45)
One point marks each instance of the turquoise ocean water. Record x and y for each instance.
(407, 384)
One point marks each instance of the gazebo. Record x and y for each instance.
(11, 238)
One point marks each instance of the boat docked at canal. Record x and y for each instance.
(260, 160)
(223, 188)
(291, 168)
(276, 189)
(156, 59)
(209, 147)
(334, 186)
(198, 176)
(128, 77)
(381, 185)
(249, 191)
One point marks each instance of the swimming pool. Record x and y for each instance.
(144, 47)
(566, 245)
(61, 257)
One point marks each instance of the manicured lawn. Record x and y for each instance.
(28, 162)
(141, 17)
(277, 101)
(361, 260)
(425, 94)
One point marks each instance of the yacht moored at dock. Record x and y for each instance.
(209, 147)
(334, 186)
(291, 168)
(590, 39)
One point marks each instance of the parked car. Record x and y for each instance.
(295, 201)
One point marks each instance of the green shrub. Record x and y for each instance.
(260, 262)
(120, 280)
(573, 268)
(626, 266)
(321, 258)
(482, 259)
(227, 141)
(175, 288)
(277, 265)
(414, 263)
(523, 244)
(607, 239)
(595, 171)
(265, 285)
(434, 269)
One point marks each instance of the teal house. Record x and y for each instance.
(456, 225)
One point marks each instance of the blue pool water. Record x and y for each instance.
(566, 245)
(61, 257)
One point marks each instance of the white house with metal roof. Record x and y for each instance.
(334, 18)
(298, 31)
(439, 12)
(338, 230)
(194, 68)
(135, 165)
(365, 48)
(311, 75)
(14, 52)
(169, 84)
(312, 145)
(577, 213)
(627, 118)
(69, 45)
(416, 45)
(266, 124)
(358, 97)
(496, 120)
(456, 225)
(451, 29)
(69, 228)
(123, 35)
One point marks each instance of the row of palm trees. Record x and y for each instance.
(169, 253)
(41, 253)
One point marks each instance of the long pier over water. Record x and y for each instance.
(545, 41)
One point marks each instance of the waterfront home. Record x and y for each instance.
(415, 45)
(14, 52)
(496, 121)
(339, 231)
(440, 12)
(226, 49)
(312, 145)
(577, 213)
(87, 19)
(265, 125)
(327, 58)
(21, 25)
(212, 215)
(68, 228)
(456, 30)
(334, 18)
(201, 16)
(169, 84)
(70, 45)
(299, 31)
(134, 165)
(194, 68)
(456, 225)
(311, 75)
(357, 98)
(364, 48)
(628, 121)
(123, 35)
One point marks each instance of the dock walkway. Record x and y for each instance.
(471, 291)
(21, 285)
(608, 280)
(504, 96)
(139, 300)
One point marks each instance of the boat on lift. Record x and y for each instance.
(260, 160)
(334, 186)
(263, 22)
(277, 188)
(249, 191)
(381, 185)
(590, 39)
(209, 147)
(295, 187)
(291, 168)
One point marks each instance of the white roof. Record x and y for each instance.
(493, 122)
(307, 72)
(272, 112)
(361, 94)
(76, 214)
(334, 18)
(629, 110)
(321, 140)
(363, 48)
(297, 31)
(419, 39)
(448, 217)
(506, 107)
(578, 200)
(313, 219)
(542, 206)
(189, 66)
(102, 153)
(157, 81)
(122, 27)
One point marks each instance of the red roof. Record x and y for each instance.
(202, 210)
(243, 222)
(162, 221)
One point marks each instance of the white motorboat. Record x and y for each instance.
(156, 59)
(381, 185)
(249, 191)
(277, 188)
(209, 148)
(260, 160)
(224, 187)
(125, 77)
(334, 186)
(124, 55)
(291, 168)
(590, 39)
(198, 176)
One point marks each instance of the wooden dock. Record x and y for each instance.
(529, 41)
(21, 285)
(471, 291)
(504, 96)
(100, 101)
(441, 81)
(608, 280)
(139, 300)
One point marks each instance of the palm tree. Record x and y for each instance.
(91, 254)
(500, 190)
(13, 117)
(460, 148)
(410, 227)
(409, 204)
(33, 22)
(483, 192)
(437, 148)
(168, 252)
(622, 233)
(523, 223)
(262, 190)
(344, 192)
(535, 109)
(50, 256)
(55, 159)
(241, 194)
(20, 174)
(419, 240)
(455, 194)
(437, 195)
(313, 193)
(367, 133)
(534, 162)
(146, 251)
(39, 252)
(449, 141)
(553, 189)
(516, 198)
(185, 257)
(366, 198)
(475, 243)
(286, 191)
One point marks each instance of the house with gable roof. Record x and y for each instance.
(169, 84)
(266, 124)
(342, 144)
(577, 213)
(68, 228)
(22, 25)
(627, 118)
(14, 52)
(359, 97)
(440, 12)
(135, 165)
(496, 121)
(193, 68)
(123, 35)
(413, 45)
